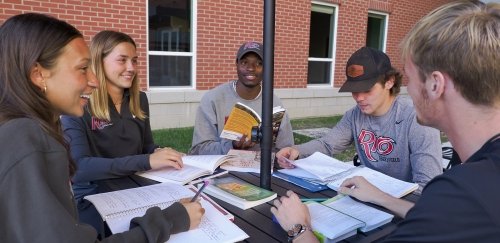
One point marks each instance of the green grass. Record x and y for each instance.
(180, 138)
(176, 138)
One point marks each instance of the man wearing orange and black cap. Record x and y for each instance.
(382, 126)
(217, 103)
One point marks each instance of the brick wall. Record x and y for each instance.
(90, 17)
(224, 25)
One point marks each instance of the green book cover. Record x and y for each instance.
(241, 188)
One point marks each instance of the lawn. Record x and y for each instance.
(180, 138)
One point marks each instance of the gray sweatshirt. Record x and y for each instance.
(394, 144)
(211, 115)
(37, 204)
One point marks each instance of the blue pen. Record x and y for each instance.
(205, 184)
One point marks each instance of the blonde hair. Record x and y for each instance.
(462, 40)
(101, 45)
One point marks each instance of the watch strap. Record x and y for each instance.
(296, 231)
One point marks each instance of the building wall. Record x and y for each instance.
(222, 26)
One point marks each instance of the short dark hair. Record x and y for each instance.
(398, 80)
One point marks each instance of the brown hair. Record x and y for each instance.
(398, 77)
(25, 40)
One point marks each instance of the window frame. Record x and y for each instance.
(385, 17)
(333, 43)
(192, 53)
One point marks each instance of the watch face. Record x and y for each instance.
(296, 228)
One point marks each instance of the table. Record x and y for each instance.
(257, 221)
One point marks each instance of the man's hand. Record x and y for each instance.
(286, 154)
(289, 210)
(243, 143)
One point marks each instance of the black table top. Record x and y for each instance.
(257, 221)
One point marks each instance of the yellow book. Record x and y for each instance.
(242, 118)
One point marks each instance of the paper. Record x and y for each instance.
(118, 208)
(213, 227)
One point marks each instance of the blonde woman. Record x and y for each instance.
(113, 138)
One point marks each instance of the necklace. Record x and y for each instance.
(256, 97)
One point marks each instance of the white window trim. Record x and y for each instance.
(386, 26)
(192, 54)
(333, 50)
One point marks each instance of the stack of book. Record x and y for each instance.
(322, 169)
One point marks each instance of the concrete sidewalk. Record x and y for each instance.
(313, 132)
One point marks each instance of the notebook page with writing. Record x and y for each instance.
(117, 208)
(213, 228)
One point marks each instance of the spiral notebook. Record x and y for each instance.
(117, 208)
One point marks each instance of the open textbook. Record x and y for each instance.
(117, 208)
(244, 161)
(242, 118)
(329, 171)
(194, 167)
(341, 216)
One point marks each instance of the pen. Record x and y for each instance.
(313, 199)
(205, 184)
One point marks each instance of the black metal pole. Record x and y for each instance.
(267, 95)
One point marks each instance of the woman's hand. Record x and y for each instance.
(166, 157)
(195, 211)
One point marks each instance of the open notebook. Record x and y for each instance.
(117, 208)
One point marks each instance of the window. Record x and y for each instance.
(376, 32)
(170, 43)
(321, 44)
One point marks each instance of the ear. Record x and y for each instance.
(435, 84)
(37, 77)
(389, 83)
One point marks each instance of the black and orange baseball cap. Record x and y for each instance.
(364, 68)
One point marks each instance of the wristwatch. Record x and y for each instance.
(296, 231)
